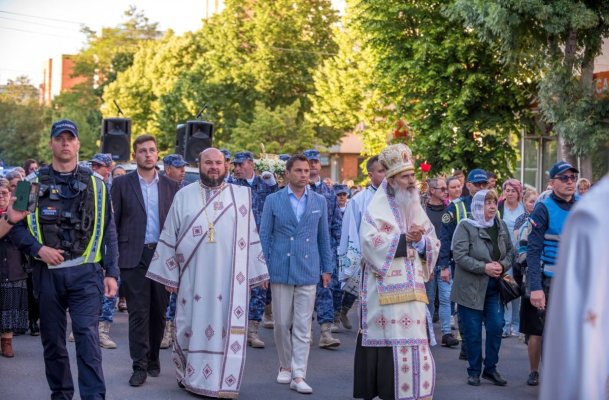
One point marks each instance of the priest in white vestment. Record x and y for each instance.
(575, 342)
(349, 249)
(399, 249)
(210, 254)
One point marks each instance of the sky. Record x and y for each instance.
(32, 31)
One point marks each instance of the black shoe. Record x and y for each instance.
(34, 329)
(462, 354)
(181, 385)
(449, 340)
(138, 378)
(154, 368)
(473, 380)
(533, 378)
(495, 378)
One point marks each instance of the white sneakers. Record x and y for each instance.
(301, 387)
(284, 376)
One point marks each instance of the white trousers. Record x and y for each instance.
(292, 312)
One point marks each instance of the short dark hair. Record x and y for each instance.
(491, 175)
(142, 139)
(452, 178)
(296, 157)
(458, 172)
(370, 162)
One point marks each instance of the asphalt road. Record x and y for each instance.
(330, 372)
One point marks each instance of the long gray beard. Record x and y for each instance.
(407, 200)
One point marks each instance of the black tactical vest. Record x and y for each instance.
(66, 211)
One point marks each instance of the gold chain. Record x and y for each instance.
(211, 228)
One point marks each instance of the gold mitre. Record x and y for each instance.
(396, 158)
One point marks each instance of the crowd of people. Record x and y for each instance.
(201, 267)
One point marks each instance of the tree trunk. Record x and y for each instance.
(587, 83)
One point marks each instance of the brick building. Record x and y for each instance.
(57, 77)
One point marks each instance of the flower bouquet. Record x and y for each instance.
(275, 166)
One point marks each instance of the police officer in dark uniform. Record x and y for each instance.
(477, 180)
(73, 238)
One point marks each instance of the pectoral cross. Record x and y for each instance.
(211, 233)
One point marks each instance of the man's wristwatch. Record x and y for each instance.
(8, 221)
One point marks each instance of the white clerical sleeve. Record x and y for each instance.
(349, 252)
(164, 267)
(257, 269)
(576, 349)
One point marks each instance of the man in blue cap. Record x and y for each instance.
(460, 209)
(328, 299)
(261, 187)
(547, 220)
(227, 157)
(175, 168)
(101, 164)
(342, 196)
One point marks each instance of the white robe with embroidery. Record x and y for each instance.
(349, 249)
(576, 333)
(393, 296)
(213, 281)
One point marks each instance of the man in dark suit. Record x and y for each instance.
(141, 201)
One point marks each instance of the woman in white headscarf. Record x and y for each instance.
(483, 251)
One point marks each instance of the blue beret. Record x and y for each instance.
(284, 157)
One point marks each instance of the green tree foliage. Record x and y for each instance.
(143, 89)
(558, 41)
(22, 128)
(346, 96)
(111, 51)
(251, 52)
(105, 55)
(282, 130)
(451, 88)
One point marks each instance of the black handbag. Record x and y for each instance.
(509, 289)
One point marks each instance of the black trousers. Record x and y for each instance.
(78, 289)
(147, 301)
(32, 303)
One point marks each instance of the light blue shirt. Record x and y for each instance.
(298, 205)
(150, 192)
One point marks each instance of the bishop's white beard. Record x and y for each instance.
(407, 200)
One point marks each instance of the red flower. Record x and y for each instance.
(425, 167)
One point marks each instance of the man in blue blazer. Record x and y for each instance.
(296, 243)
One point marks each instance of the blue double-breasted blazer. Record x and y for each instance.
(296, 252)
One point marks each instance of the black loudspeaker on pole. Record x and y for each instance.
(116, 138)
(192, 138)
